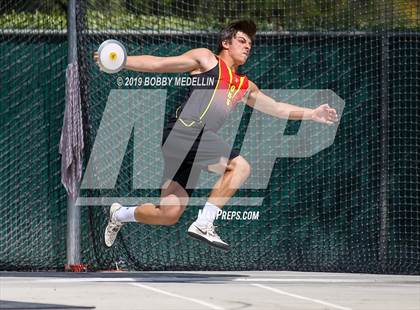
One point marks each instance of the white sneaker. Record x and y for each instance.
(114, 226)
(206, 233)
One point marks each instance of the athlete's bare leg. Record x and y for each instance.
(173, 200)
(234, 173)
(237, 171)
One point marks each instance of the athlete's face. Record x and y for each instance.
(240, 47)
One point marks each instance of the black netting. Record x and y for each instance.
(352, 207)
(33, 202)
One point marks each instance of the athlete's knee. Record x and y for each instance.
(183, 199)
(174, 193)
(240, 165)
(172, 208)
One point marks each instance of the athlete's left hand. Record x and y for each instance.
(325, 114)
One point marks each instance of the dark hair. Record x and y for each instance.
(228, 33)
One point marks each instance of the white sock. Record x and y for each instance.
(208, 214)
(125, 214)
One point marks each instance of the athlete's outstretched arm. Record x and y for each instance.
(261, 102)
(193, 60)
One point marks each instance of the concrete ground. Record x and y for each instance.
(208, 290)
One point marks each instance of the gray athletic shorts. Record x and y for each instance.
(188, 150)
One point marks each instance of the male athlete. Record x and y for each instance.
(190, 141)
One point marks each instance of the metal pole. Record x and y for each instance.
(383, 237)
(73, 211)
(71, 32)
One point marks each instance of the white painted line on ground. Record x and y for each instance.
(301, 297)
(197, 301)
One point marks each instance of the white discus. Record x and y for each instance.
(112, 56)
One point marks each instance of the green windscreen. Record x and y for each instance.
(32, 99)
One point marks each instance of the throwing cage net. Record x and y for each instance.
(352, 207)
